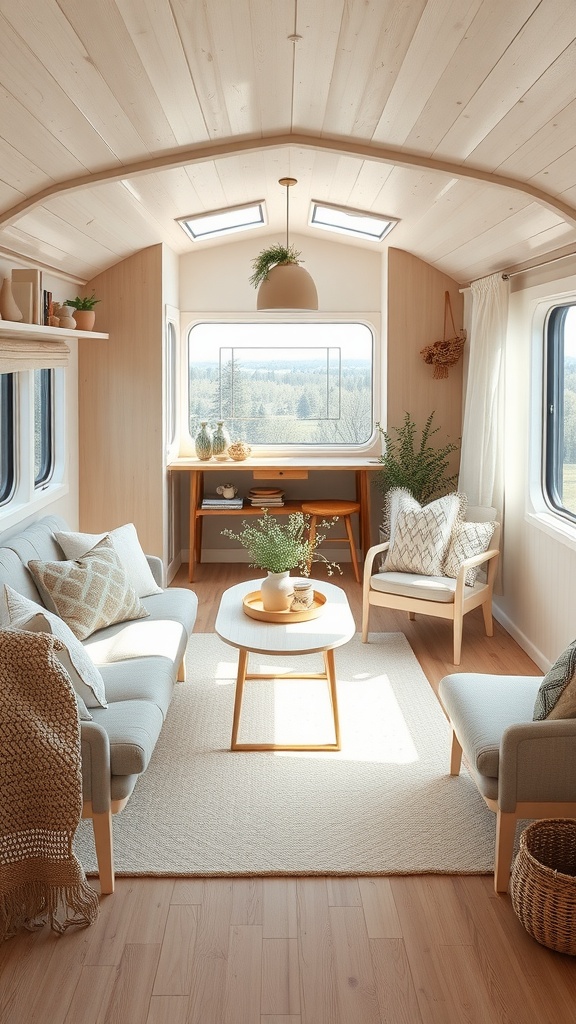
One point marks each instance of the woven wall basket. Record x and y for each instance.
(445, 353)
(543, 884)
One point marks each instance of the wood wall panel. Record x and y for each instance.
(416, 319)
(120, 403)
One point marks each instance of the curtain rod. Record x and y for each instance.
(536, 266)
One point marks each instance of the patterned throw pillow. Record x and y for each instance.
(127, 547)
(556, 697)
(89, 593)
(467, 539)
(29, 616)
(420, 535)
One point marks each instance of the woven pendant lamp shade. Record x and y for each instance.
(287, 286)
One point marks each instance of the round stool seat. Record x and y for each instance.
(330, 507)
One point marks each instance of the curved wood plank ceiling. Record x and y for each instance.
(460, 91)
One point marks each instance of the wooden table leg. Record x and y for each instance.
(363, 497)
(195, 491)
(240, 680)
(331, 677)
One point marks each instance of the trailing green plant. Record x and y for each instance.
(88, 302)
(271, 257)
(278, 547)
(416, 464)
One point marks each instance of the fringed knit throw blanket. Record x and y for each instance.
(40, 789)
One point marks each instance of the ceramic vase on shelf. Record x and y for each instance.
(277, 591)
(220, 442)
(203, 442)
(8, 307)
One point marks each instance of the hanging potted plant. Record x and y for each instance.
(282, 283)
(84, 313)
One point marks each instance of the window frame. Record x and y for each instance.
(43, 474)
(370, 321)
(553, 409)
(7, 437)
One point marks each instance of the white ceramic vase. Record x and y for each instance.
(277, 591)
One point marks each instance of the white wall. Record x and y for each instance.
(539, 559)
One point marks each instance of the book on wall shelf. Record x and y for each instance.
(29, 278)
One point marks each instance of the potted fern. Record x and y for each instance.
(84, 313)
(414, 463)
(282, 283)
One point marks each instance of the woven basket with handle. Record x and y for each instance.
(445, 353)
(543, 883)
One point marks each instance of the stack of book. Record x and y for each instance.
(266, 497)
(215, 501)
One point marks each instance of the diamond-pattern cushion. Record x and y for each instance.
(420, 535)
(89, 593)
(556, 697)
(467, 539)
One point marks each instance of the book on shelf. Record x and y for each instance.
(33, 278)
(216, 502)
(263, 503)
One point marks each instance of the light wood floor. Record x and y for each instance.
(401, 950)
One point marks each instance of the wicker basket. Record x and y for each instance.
(543, 884)
(447, 352)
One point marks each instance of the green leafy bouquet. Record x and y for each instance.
(278, 547)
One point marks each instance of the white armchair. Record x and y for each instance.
(443, 596)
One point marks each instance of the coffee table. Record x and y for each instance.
(332, 628)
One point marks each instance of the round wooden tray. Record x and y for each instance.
(252, 604)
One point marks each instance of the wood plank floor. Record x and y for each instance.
(401, 950)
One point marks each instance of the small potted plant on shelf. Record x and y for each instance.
(84, 313)
(280, 547)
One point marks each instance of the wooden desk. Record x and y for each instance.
(270, 469)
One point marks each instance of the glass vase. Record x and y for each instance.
(220, 442)
(277, 591)
(203, 442)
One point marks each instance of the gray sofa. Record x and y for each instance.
(139, 661)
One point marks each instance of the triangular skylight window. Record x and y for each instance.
(350, 222)
(224, 222)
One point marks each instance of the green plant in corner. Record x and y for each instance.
(278, 547)
(416, 465)
(88, 302)
(272, 257)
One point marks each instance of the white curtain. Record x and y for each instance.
(482, 456)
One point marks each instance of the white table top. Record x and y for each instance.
(332, 628)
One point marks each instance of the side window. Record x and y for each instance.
(171, 371)
(43, 426)
(7, 437)
(560, 411)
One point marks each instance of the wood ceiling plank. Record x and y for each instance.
(539, 43)
(24, 175)
(490, 32)
(438, 35)
(61, 234)
(540, 105)
(49, 35)
(510, 236)
(24, 76)
(104, 213)
(156, 38)
(37, 250)
(257, 65)
(499, 259)
(314, 63)
(550, 143)
(34, 141)
(562, 173)
(195, 25)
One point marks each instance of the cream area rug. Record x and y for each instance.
(384, 804)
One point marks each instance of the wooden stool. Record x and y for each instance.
(325, 510)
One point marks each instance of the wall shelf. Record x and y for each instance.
(18, 331)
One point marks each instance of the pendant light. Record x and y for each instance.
(287, 285)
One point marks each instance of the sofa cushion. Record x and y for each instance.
(127, 547)
(21, 613)
(406, 584)
(556, 697)
(467, 540)
(90, 592)
(171, 617)
(133, 727)
(420, 535)
(151, 680)
(480, 707)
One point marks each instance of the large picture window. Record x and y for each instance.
(284, 384)
(7, 437)
(560, 418)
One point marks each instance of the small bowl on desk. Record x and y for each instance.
(239, 451)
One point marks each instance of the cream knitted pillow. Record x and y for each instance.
(420, 535)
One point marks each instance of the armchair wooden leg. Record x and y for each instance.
(487, 613)
(181, 677)
(505, 835)
(457, 639)
(102, 826)
(455, 755)
(365, 618)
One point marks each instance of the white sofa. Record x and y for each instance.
(139, 662)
